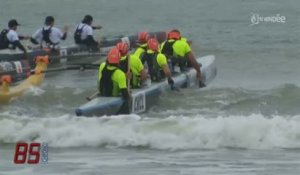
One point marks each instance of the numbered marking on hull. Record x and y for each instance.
(138, 103)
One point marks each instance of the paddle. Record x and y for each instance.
(81, 67)
(100, 39)
(95, 94)
(128, 72)
(91, 97)
(58, 57)
(125, 106)
(85, 64)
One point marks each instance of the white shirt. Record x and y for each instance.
(12, 36)
(55, 34)
(87, 30)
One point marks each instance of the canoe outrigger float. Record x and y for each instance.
(7, 93)
(144, 98)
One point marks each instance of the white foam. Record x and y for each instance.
(35, 91)
(174, 132)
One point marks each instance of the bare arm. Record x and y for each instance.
(19, 45)
(65, 32)
(34, 41)
(167, 71)
(168, 74)
(143, 74)
(97, 27)
(193, 61)
(24, 37)
(196, 66)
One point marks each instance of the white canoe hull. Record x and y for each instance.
(144, 98)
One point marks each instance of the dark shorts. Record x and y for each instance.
(182, 63)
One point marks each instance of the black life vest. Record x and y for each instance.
(106, 83)
(168, 48)
(46, 36)
(4, 42)
(123, 65)
(154, 70)
(77, 34)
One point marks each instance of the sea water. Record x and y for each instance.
(247, 121)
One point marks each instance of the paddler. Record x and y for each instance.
(143, 37)
(49, 36)
(84, 33)
(112, 80)
(178, 50)
(9, 38)
(136, 73)
(156, 63)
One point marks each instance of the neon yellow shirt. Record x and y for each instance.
(136, 65)
(160, 58)
(140, 50)
(118, 78)
(180, 47)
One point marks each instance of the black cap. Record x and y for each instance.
(13, 23)
(49, 20)
(87, 19)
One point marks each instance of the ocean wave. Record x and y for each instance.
(281, 100)
(172, 133)
(49, 99)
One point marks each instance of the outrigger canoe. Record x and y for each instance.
(144, 98)
(8, 93)
(73, 52)
(12, 62)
